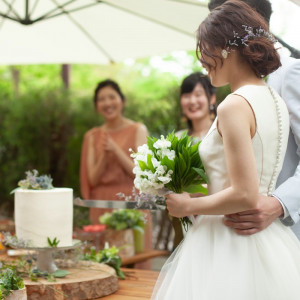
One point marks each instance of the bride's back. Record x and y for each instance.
(269, 142)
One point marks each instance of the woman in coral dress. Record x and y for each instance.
(106, 165)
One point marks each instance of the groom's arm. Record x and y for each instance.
(255, 220)
(270, 208)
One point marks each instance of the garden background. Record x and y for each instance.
(42, 122)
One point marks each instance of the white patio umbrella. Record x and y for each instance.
(296, 2)
(90, 31)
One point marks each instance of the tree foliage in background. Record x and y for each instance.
(42, 126)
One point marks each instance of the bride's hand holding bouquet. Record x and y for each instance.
(178, 204)
(167, 165)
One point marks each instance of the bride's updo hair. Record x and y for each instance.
(236, 26)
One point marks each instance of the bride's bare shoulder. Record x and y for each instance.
(230, 104)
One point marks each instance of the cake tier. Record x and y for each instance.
(43, 214)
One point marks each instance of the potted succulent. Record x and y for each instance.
(124, 227)
(11, 285)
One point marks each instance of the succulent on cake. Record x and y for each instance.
(14, 242)
(53, 243)
(35, 182)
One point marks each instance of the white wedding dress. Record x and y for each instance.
(215, 263)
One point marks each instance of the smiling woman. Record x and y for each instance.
(198, 104)
(106, 165)
(198, 107)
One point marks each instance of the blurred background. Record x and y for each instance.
(46, 107)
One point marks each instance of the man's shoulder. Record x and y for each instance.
(288, 62)
(289, 71)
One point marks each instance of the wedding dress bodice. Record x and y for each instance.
(214, 262)
(269, 142)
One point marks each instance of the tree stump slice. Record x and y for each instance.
(87, 280)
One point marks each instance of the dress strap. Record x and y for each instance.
(279, 144)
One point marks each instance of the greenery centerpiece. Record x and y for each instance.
(123, 219)
(10, 282)
(109, 256)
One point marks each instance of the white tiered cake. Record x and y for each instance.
(43, 214)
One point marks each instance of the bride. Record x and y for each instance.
(242, 153)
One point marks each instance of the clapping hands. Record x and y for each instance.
(108, 144)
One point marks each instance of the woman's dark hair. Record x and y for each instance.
(263, 7)
(188, 84)
(110, 83)
(227, 21)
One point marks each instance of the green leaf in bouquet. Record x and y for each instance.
(185, 152)
(196, 162)
(194, 155)
(176, 179)
(188, 168)
(179, 146)
(174, 143)
(142, 165)
(168, 163)
(194, 148)
(172, 137)
(182, 165)
(186, 222)
(149, 163)
(189, 178)
(201, 173)
(186, 141)
(187, 161)
(197, 188)
(150, 142)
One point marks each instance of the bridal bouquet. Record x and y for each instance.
(169, 164)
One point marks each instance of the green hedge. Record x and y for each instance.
(43, 130)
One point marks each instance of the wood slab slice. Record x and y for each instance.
(87, 280)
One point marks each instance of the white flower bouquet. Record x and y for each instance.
(169, 164)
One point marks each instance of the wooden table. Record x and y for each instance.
(129, 262)
(137, 285)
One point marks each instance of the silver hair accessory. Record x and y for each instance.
(250, 35)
